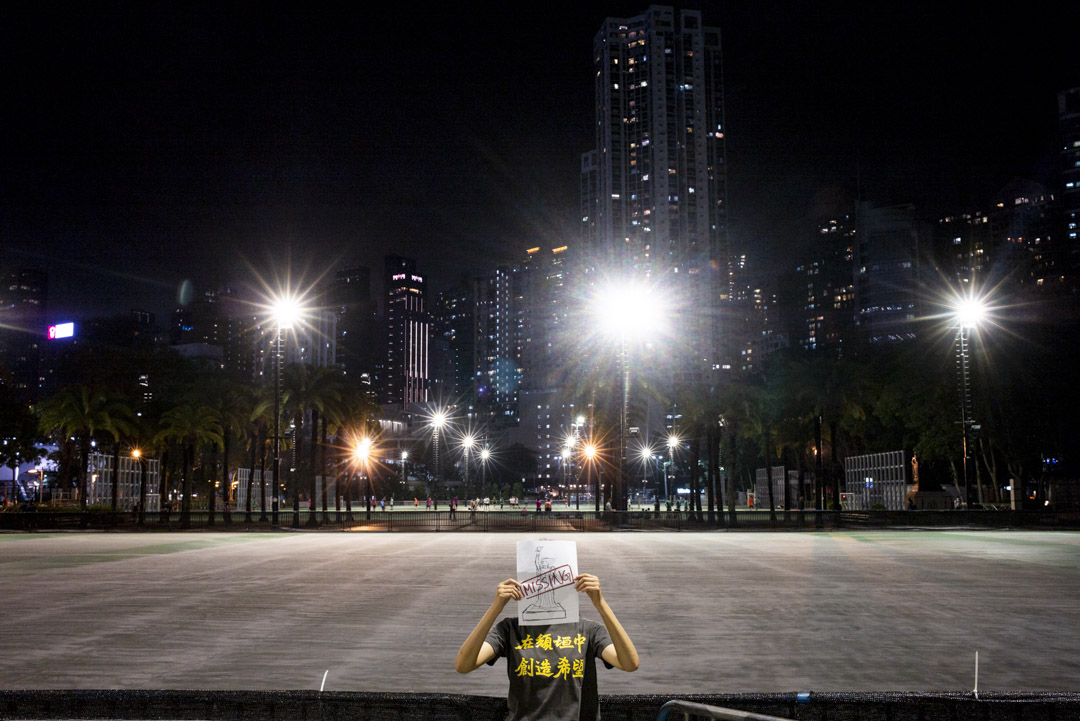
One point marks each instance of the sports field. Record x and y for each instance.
(709, 612)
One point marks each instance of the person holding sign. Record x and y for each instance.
(551, 666)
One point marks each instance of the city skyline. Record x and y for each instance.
(153, 145)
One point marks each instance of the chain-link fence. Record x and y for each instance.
(528, 521)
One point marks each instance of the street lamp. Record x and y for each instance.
(672, 444)
(438, 420)
(626, 312)
(362, 453)
(404, 472)
(589, 451)
(485, 456)
(646, 455)
(467, 443)
(285, 312)
(968, 313)
(137, 455)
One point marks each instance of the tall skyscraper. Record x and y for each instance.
(546, 273)
(453, 347)
(826, 285)
(661, 178)
(350, 297)
(887, 273)
(23, 297)
(406, 379)
(499, 325)
(220, 320)
(654, 190)
(1069, 123)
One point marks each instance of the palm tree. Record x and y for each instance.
(233, 405)
(351, 413)
(260, 420)
(191, 426)
(835, 390)
(144, 440)
(328, 387)
(736, 403)
(305, 389)
(19, 430)
(80, 412)
(123, 426)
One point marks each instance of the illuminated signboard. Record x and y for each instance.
(61, 330)
(398, 276)
(417, 279)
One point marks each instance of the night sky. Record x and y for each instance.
(149, 143)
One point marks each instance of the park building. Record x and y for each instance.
(133, 471)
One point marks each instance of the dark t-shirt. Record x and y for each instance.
(551, 668)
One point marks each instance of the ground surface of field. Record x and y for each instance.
(709, 612)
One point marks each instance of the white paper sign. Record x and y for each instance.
(546, 571)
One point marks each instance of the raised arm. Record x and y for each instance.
(475, 652)
(620, 653)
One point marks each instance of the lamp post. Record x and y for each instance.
(362, 452)
(438, 420)
(589, 451)
(404, 472)
(565, 456)
(485, 455)
(646, 454)
(968, 314)
(672, 443)
(285, 312)
(137, 455)
(627, 312)
(467, 444)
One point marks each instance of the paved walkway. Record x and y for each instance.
(709, 612)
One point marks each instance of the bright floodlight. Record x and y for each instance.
(646, 453)
(438, 419)
(970, 312)
(581, 420)
(286, 311)
(589, 450)
(136, 453)
(631, 310)
(468, 442)
(485, 454)
(363, 449)
(404, 455)
(672, 441)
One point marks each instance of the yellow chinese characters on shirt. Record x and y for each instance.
(564, 667)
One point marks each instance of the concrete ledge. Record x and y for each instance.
(303, 705)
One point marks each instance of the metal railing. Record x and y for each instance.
(690, 709)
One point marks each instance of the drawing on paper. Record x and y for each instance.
(549, 595)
